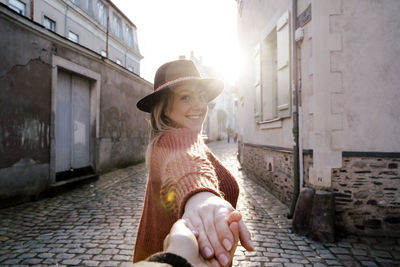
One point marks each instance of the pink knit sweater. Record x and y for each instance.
(180, 166)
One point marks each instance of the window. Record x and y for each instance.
(119, 62)
(269, 77)
(117, 26)
(73, 37)
(257, 83)
(135, 41)
(272, 86)
(76, 2)
(129, 35)
(102, 13)
(49, 24)
(17, 6)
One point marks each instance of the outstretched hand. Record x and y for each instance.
(210, 217)
(181, 241)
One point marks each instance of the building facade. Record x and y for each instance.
(96, 24)
(66, 112)
(339, 61)
(221, 114)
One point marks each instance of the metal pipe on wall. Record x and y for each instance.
(66, 21)
(295, 113)
(108, 27)
(32, 9)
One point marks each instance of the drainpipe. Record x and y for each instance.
(32, 6)
(108, 27)
(66, 22)
(295, 114)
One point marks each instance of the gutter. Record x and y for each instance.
(108, 29)
(32, 9)
(295, 94)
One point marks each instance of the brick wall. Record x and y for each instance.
(271, 168)
(366, 189)
(367, 193)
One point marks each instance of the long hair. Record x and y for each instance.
(159, 122)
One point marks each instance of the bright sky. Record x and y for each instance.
(170, 28)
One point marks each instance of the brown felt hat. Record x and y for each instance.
(175, 73)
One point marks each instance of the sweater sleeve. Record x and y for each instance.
(185, 170)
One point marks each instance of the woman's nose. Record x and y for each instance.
(199, 100)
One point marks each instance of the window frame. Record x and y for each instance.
(71, 33)
(102, 17)
(272, 80)
(129, 35)
(117, 21)
(46, 18)
(76, 2)
(16, 8)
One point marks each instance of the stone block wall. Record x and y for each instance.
(271, 168)
(367, 194)
(27, 114)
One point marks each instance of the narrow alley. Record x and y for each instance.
(95, 225)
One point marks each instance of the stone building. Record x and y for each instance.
(66, 112)
(96, 24)
(341, 58)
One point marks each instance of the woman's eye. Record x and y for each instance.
(185, 97)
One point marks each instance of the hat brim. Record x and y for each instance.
(212, 87)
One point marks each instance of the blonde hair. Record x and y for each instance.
(159, 122)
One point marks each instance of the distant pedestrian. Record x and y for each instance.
(185, 178)
(229, 133)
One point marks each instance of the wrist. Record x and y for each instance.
(198, 199)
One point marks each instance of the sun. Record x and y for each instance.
(227, 65)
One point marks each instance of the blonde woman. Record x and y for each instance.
(185, 179)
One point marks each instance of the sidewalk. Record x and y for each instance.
(95, 225)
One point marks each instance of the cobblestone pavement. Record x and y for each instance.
(95, 225)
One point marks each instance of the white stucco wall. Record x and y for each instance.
(349, 71)
(370, 66)
(350, 76)
(256, 20)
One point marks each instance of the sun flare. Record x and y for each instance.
(176, 27)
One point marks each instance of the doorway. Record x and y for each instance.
(73, 150)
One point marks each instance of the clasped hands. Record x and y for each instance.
(211, 228)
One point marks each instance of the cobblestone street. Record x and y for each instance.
(95, 225)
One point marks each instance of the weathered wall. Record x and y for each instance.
(25, 82)
(271, 168)
(25, 107)
(367, 195)
(123, 129)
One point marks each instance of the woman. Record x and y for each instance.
(185, 179)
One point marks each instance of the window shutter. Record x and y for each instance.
(257, 83)
(283, 66)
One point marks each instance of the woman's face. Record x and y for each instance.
(189, 107)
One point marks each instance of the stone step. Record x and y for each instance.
(74, 180)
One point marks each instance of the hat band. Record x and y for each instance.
(181, 79)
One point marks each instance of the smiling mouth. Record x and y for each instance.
(193, 117)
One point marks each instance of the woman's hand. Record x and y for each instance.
(181, 241)
(208, 216)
